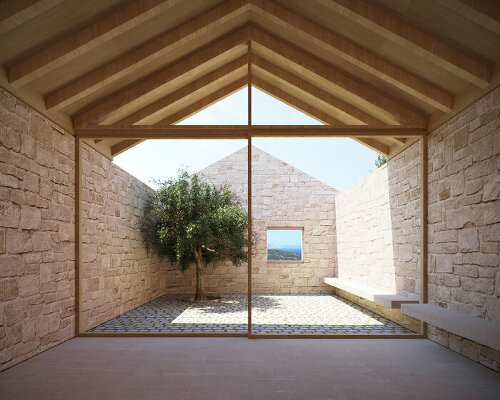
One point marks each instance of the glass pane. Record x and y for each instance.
(284, 245)
(321, 212)
(145, 276)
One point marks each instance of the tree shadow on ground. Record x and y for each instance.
(235, 303)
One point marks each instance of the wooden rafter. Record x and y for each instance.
(124, 145)
(355, 54)
(105, 28)
(185, 113)
(345, 112)
(398, 140)
(365, 96)
(137, 58)
(152, 113)
(163, 75)
(204, 103)
(129, 99)
(295, 102)
(316, 114)
(374, 144)
(16, 12)
(472, 68)
(485, 13)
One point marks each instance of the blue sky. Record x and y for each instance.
(284, 239)
(339, 162)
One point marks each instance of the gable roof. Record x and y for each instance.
(156, 62)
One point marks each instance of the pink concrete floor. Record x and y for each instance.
(238, 368)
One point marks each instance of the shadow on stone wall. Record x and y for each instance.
(403, 173)
(378, 232)
(378, 226)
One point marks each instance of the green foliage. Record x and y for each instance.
(187, 216)
(381, 160)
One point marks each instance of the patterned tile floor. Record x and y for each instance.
(271, 314)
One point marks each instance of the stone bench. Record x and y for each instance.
(473, 328)
(386, 299)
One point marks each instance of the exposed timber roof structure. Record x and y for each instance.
(373, 64)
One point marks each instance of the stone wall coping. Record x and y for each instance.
(379, 296)
(473, 328)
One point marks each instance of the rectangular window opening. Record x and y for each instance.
(284, 245)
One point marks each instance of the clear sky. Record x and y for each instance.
(278, 239)
(339, 162)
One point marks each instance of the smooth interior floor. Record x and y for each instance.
(241, 368)
(294, 314)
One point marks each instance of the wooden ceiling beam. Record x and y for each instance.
(472, 68)
(485, 13)
(105, 28)
(185, 113)
(204, 103)
(242, 131)
(150, 114)
(123, 101)
(347, 113)
(294, 102)
(366, 97)
(133, 60)
(298, 104)
(398, 140)
(374, 144)
(355, 54)
(124, 146)
(16, 12)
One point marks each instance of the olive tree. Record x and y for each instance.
(190, 221)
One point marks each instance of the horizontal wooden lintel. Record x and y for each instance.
(244, 131)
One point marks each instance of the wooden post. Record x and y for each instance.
(249, 190)
(78, 235)
(423, 226)
(249, 83)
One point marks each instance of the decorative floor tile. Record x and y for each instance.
(271, 314)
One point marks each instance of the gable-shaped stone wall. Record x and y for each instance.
(282, 196)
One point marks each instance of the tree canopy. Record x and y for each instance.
(191, 221)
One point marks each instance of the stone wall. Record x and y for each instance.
(378, 226)
(37, 219)
(282, 196)
(464, 224)
(365, 252)
(37, 267)
(37, 230)
(378, 232)
(464, 221)
(117, 273)
(285, 196)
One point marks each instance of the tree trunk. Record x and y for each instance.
(200, 277)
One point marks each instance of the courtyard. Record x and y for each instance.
(291, 314)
